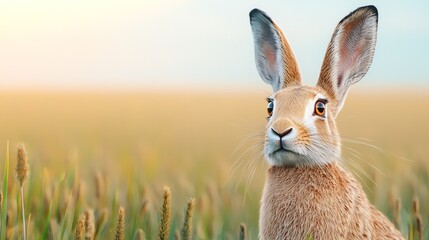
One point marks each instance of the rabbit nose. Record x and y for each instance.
(282, 134)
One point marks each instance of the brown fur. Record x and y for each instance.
(322, 202)
(292, 75)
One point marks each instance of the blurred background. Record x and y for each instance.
(165, 92)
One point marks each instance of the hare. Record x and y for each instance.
(307, 193)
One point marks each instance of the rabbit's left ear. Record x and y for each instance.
(349, 54)
(275, 61)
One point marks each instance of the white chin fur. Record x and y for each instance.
(283, 158)
(303, 158)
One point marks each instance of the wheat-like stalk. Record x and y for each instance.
(144, 207)
(80, 228)
(22, 171)
(99, 185)
(164, 226)
(187, 224)
(418, 218)
(47, 199)
(89, 225)
(9, 216)
(243, 230)
(120, 227)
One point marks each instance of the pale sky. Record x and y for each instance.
(170, 44)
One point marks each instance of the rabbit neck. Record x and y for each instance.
(300, 200)
(304, 174)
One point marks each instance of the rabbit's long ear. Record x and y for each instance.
(275, 61)
(349, 54)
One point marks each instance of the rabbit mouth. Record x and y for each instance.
(282, 156)
(284, 150)
(285, 154)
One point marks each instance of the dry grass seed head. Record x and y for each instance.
(22, 169)
(418, 218)
(187, 224)
(243, 231)
(120, 227)
(9, 220)
(419, 227)
(164, 226)
(47, 197)
(415, 205)
(79, 228)
(144, 207)
(89, 225)
(99, 185)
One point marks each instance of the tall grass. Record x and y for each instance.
(120, 227)
(22, 171)
(92, 154)
(186, 232)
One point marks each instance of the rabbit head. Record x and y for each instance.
(301, 128)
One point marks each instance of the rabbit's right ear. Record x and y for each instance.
(275, 61)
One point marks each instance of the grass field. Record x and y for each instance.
(100, 151)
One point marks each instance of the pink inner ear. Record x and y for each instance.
(352, 48)
(270, 55)
(345, 61)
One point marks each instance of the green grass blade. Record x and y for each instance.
(67, 221)
(5, 184)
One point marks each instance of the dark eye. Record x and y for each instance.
(320, 108)
(270, 107)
